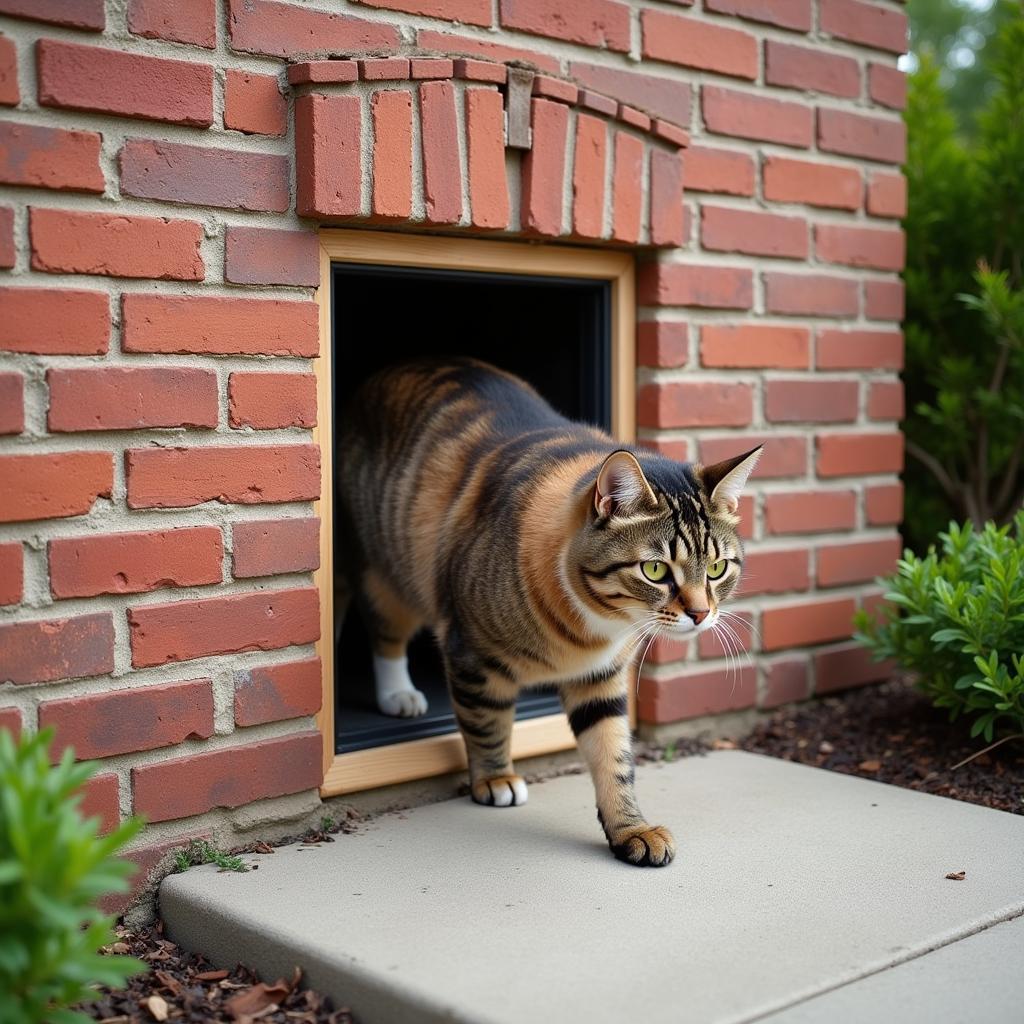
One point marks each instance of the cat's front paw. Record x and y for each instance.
(501, 791)
(646, 846)
(403, 704)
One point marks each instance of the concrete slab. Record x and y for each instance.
(789, 882)
(980, 978)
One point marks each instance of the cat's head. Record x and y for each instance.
(660, 544)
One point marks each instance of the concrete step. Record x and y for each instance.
(789, 882)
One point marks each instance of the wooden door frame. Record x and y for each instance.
(439, 755)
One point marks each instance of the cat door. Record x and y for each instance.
(556, 330)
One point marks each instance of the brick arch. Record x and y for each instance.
(477, 145)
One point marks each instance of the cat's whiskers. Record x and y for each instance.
(654, 636)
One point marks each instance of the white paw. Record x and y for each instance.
(504, 791)
(403, 704)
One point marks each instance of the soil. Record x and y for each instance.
(891, 733)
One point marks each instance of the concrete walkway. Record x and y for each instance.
(797, 896)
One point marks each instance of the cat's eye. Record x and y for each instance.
(656, 572)
(716, 570)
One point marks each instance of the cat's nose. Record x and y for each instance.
(698, 614)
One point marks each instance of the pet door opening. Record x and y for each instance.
(555, 332)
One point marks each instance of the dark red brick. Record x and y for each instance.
(55, 649)
(274, 693)
(273, 546)
(53, 486)
(271, 256)
(54, 158)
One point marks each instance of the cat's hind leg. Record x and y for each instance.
(392, 624)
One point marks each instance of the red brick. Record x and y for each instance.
(799, 400)
(785, 681)
(328, 133)
(677, 284)
(115, 245)
(544, 168)
(55, 649)
(723, 171)
(884, 28)
(591, 22)
(392, 153)
(588, 174)
(666, 650)
(707, 46)
(840, 564)
(10, 720)
(485, 144)
(332, 71)
(229, 777)
(627, 188)
(135, 563)
(100, 799)
(877, 248)
(810, 294)
(84, 14)
(662, 97)
(54, 321)
(146, 860)
(635, 118)
(211, 324)
(862, 135)
(11, 574)
(254, 104)
(887, 86)
(269, 400)
(810, 512)
(695, 404)
(115, 398)
(883, 504)
(883, 300)
(724, 229)
(676, 448)
(750, 116)
(12, 403)
(694, 692)
(662, 343)
(783, 455)
(10, 94)
(439, 136)
(810, 70)
(261, 621)
(794, 14)
(859, 454)
(182, 477)
(480, 70)
(711, 645)
(775, 572)
(8, 256)
(755, 346)
(180, 21)
(274, 693)
(860, 350)
(430, 67)
(846, 665)
(273, 546)
(449, 44)
(128, 84)
(53, 486)
(283, 30)
(204, 176)
(50, 158)
(806, 623)
(885, 400)
(748, 516)
(384, 69)
(801, 181)
(887, 195)
(556, 89)
(468, 12)
(271, 256)
(124, 721)
(667, 222)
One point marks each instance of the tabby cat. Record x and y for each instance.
(539, 551)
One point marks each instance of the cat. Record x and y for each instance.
(539, 551)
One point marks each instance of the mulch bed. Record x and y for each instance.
(891, 733)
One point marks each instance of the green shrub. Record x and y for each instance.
(53, 867)
(956, 618)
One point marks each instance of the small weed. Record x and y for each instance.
(670, 753)
(327, 823)
(199, 851)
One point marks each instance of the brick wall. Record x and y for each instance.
(159, 333)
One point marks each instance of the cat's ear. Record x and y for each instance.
(621, 485)
(724, 481)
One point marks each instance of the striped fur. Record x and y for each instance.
(469, 506)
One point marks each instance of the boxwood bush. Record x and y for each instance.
(956, 619)
(53, 868)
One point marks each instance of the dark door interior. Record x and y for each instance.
(554, 332)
